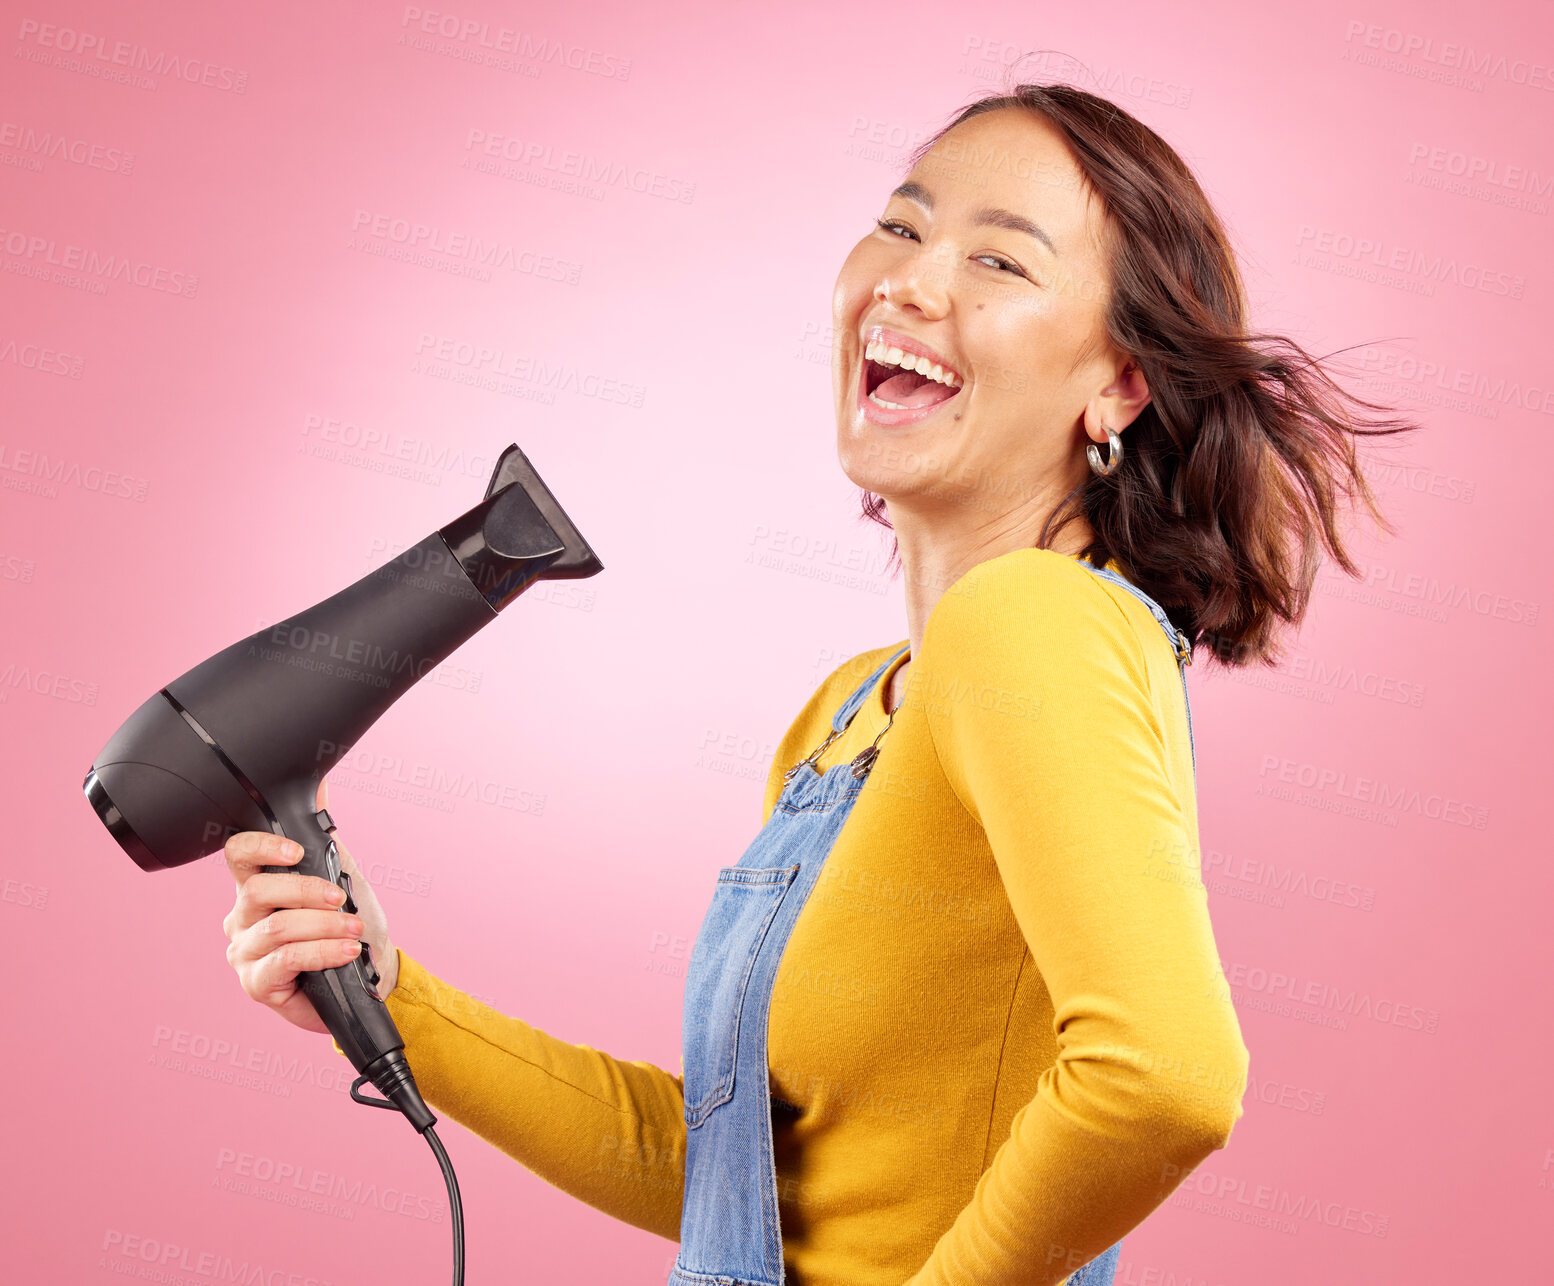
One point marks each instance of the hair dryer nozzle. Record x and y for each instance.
(517, 535)
(577, 560)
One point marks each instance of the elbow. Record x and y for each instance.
(1206, 1116)
(1208, 1126)
(1197, 1089)
(1173, 1085)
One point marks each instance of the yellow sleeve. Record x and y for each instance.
(610, 1133)
(1041, 711)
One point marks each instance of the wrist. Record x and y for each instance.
(388, 972)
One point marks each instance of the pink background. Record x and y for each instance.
(258, 424)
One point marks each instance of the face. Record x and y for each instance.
(1010, 311)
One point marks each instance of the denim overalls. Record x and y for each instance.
(729, 1229)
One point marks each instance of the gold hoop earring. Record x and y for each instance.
(1113, 454)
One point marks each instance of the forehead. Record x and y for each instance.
(1013, 160)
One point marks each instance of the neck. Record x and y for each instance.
(935, 554)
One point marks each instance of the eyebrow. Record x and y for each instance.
(914, 191)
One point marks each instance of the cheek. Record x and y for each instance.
(855, 281)
(1028, 351)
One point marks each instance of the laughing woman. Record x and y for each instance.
(956, 1015)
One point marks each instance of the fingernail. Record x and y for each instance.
(291, 848)
(352, 948)
(335, 895)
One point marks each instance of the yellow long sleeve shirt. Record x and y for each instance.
(999, 1035)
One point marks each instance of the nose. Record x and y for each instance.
(914, 282)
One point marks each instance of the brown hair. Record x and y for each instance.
(1235, 467)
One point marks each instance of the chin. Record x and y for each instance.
(885, 482)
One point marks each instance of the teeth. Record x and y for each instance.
(878, 352)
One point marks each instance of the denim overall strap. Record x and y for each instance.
(849, 708)
(1180, 643)
(730, 1233)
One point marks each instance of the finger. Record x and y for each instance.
(272, 978)
(247, 851)
(269, 891)
(279, 890)
(280, 928)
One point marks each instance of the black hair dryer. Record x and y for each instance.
(242, 741)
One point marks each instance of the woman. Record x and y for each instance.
(980, 1032)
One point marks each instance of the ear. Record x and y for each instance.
(1118, 404)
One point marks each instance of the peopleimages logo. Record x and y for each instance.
(487, 151)
(1431, 591)
(1444, 60)
(158, 1259)
(1489, 170)
(551, 376)
(427, 245)
(231, 1062)
(1373, 258)
(1325, 997)
(1283, 879)
(481, 38)
(29, 470)
(87, 51)
(61, 147)
(1434, 375)
(33, 255)
(1373, 791)
(246, 1172)
(1246, 1202)
(41, 359)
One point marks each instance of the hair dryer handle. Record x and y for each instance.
(345, 996)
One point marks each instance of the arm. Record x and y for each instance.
(1049, 735)
(610, 1133)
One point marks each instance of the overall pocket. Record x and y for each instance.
(717, 977)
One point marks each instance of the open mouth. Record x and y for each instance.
(900, 381)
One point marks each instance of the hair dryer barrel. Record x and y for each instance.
(285, 704)
(248, 734)
(242, 740)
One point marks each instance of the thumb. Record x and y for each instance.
(323, 793)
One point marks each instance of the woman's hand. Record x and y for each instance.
(283, 924)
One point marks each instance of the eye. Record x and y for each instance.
(1004, 265)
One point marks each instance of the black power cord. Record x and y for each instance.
(455, 1206)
